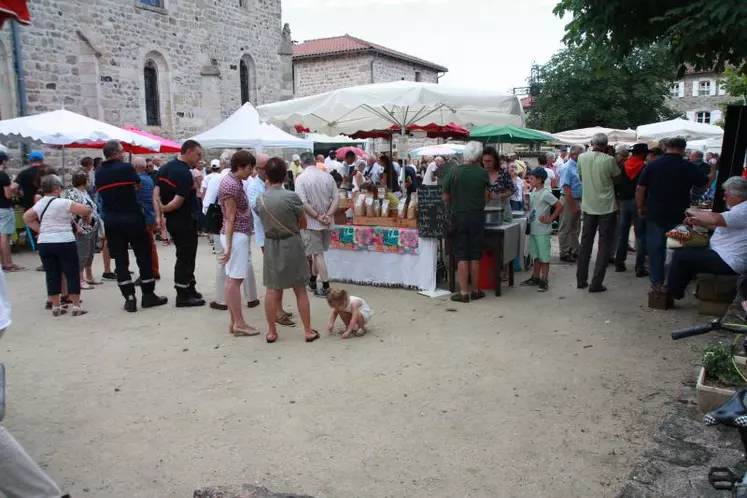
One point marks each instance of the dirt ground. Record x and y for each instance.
(530, 394)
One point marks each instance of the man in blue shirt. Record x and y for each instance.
(117, 184)
(145, 197)
(570, 217)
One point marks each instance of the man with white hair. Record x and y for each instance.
(570, 218)
(727, 250)
(430, 174)
(295, 166)
(465, 188)
(599, 172)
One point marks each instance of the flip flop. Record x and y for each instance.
(312, 339)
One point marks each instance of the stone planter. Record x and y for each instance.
(710, 397)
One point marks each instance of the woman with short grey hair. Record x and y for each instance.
(86, 232)
(52, 218)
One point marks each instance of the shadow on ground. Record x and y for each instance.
(245, 491)
(683, 452)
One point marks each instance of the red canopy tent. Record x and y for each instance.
(432, 130)
(167, 146)
(14, 9)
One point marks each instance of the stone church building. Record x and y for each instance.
(173, 67)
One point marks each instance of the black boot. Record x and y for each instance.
(193, 292)
(188, 300)
(152, 300)
(130, 304)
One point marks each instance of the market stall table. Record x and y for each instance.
(504, 242)
(382, 256)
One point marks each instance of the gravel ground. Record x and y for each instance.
(530, 394)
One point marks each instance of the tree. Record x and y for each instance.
(735, 84)
(580, 90)
(707, 34)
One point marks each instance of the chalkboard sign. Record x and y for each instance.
(432, 220)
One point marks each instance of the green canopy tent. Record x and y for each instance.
(509, 135)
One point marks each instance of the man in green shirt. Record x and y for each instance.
(599, 172)
(465, 189)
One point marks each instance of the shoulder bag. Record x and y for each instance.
(290, 232)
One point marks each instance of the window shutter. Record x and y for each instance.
(721, 90)
(713, 87)
(715, 116)
(682, 88)
(690, 115)
(695, 88)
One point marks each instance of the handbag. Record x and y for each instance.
(213, 219)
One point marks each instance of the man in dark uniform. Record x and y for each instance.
(116, 183)
(177, 197)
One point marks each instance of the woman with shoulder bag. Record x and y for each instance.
(86, 231)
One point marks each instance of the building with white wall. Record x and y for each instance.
(698, 96)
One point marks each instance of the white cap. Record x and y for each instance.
(215, 163)
(296, 157)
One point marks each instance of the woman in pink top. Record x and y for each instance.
(234, 237)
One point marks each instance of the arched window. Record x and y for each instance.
(244, 77)
(152, 102)
(248, 80)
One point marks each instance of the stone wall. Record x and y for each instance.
(390, 69)
(324, 74)
(89, 55)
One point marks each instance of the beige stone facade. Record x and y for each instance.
(90, 55)
(698, 95)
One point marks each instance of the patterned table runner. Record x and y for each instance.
(375, 239)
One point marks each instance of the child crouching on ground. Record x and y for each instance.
(541, 202)
(354, 312)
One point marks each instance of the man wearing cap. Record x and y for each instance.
(7, 217)
(295, 166)
(599, 172)
(662, 197)
(26, 180)
(629, 213)
(117, 183)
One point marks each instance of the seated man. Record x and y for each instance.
(727, 251)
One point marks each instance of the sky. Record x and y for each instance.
(487, 44)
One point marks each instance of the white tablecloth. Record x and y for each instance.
(416, 271)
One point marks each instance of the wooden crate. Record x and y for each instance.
(376, 222)
(408, 223)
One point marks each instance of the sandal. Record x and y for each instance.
(245, 331)
(475, 295)
(58, 310)
(79, 311)
(283, 319)
(314, 337)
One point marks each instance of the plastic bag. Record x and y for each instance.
(686, 236)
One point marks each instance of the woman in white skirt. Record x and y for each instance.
(235, 236)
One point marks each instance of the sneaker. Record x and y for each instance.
(620, 267)
(130, 305)
(152, 300)
(542, 286)
(319, 292)
(189, 301)
(107, 275)
(531, 282)
(458, 297)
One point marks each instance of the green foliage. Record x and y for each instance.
(581, 89)
(705, 33)
(718, 363)
(735, 84)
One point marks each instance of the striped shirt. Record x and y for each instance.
(317, 189)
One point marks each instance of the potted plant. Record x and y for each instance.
(720, 376)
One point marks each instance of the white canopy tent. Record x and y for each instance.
(321, 138)
(403, 103)
(583, 135)
(689, 130)
(62, 127)
(243, 129)
(438, 150)
(706, 145)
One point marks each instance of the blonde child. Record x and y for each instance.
(354, 312)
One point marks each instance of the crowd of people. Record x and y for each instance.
(600, 193)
